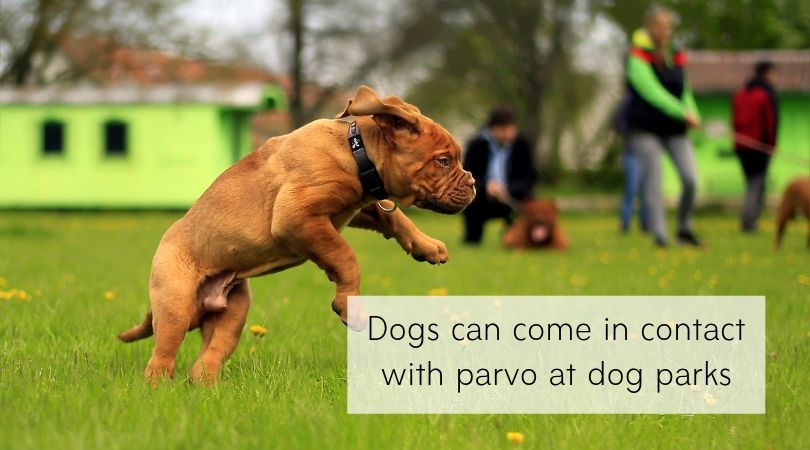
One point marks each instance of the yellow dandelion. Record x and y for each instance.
(732, 431)
(109, 295)
(515, 437)
(253, 350)
(578, 280)
(676, 262)
(436, 292)
(22, 295)
(385, 281)
(258, 330)
(804, 280)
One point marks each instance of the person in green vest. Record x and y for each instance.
(660, 110)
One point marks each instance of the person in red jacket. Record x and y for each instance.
(756, 119)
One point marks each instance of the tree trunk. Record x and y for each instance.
(556, 57)
(533, 79)
(297, 29)
(20, 69)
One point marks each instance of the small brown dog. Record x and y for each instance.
(537, 226)
(796, 199)
(284, 204)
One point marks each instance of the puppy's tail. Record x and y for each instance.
(140, 331)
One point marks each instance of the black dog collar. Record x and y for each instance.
(369, 178)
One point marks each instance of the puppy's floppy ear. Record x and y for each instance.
(388, 112)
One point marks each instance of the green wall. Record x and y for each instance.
(719, 170)
(174, 152)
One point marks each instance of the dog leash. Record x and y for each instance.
(369, 177)
(759, 146)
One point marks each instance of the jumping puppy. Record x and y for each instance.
(796, 199)
(284, 204)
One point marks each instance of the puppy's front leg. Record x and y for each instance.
(397, 225)
(317, 239)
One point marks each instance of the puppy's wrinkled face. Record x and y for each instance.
(422, 160)
(431, 161)
(541, 216)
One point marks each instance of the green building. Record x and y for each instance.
(123, 147)
(715, 76)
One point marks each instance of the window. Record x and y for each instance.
(115, 138)
(53, 137)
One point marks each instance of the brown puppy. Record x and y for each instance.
(537, 226)
(796, 199)
(284, 204)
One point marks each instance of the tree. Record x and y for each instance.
(453, 57)
(31, 32)
(729, 24)
(329, 49)
(476, 53)
(296, 26)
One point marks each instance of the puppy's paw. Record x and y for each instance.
(158, 370)
(354, 317)
(425, 248)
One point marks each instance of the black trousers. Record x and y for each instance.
(478, 213)
(755, 166)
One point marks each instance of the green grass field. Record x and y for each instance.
(67, 383)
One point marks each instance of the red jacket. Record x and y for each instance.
(755, 119)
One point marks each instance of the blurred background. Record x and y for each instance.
(118, 104)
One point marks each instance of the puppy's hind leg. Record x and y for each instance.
(221, 332)
(175, 310)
